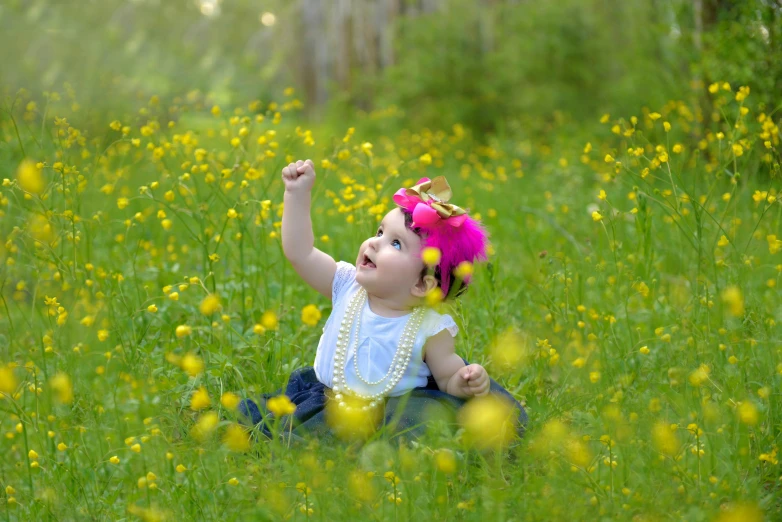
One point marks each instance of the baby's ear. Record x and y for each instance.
(424, 286)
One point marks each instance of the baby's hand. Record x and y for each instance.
(299, 176)
(473, 380)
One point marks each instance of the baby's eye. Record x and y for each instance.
(379, 233)
(397, 243)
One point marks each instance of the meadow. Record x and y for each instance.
(631, 299)
(630, 302)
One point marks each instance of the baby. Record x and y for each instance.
(378, 304)
(382, 350)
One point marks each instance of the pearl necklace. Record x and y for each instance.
(399, 363)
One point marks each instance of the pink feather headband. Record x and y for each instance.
(448, 228)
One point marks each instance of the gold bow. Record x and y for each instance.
(439, 192)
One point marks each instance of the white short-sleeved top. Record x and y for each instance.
(377, 343)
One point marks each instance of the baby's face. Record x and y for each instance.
(389, 263)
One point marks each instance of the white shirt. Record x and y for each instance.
(377, 342)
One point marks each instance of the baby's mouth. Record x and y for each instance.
(367, 263)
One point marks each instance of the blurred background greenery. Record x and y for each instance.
(484, 63)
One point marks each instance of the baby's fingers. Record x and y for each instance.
(292, 174)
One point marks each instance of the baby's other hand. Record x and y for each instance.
(473, 380)
(299, 176)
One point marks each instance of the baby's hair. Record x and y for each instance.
(457, 288)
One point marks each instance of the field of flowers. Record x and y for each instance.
(631, 302)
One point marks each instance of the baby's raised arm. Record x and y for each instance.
(298, 242)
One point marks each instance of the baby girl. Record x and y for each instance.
(380, 341)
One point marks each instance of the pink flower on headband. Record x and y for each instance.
(464, 239)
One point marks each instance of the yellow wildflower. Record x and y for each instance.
(210, 304)
(431, 256)
(30, 178)
(236, 438)
(61, 384)
(183, 330)
(310, 315)
(230, 401)
(281, 406)
(200, 399)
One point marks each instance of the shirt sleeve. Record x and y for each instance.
(444, 322)
(343, 277)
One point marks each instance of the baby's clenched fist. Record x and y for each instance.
(473, 381)
(299, 176)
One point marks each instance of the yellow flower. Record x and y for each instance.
(152, 309)
(236, 438)
(281, 406)
(230, 401)
(609, 158)
(774, 244)
(205, 426)
(734, 300)
(122, 203)
(310, 315)
(741, 513)
(723, 241)
(445, 461)
(425, 159)
(8, 381)
(748, 413)
(216, 110)
(114, 459)
(30, 178)
(210, 304)
(431, 256)
(366, 147)
(192, 364)
(508, 350)
(666, 126)
(200, 399)
(32, 455)
(269, 320)
(62, 446)
(103, 335)
(61, 384)
(489, 422)
(434, 296)
(742, 94)
(233, 481)
(180, 468)
(644, 350)
(463, 270)
(700, 375)
(183, 330)
(232, 213)
(597, 216)
(136, 448)
(665, 439)
(259, 329)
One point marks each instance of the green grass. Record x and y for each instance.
(687, 427)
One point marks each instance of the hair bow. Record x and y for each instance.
(428, 202)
